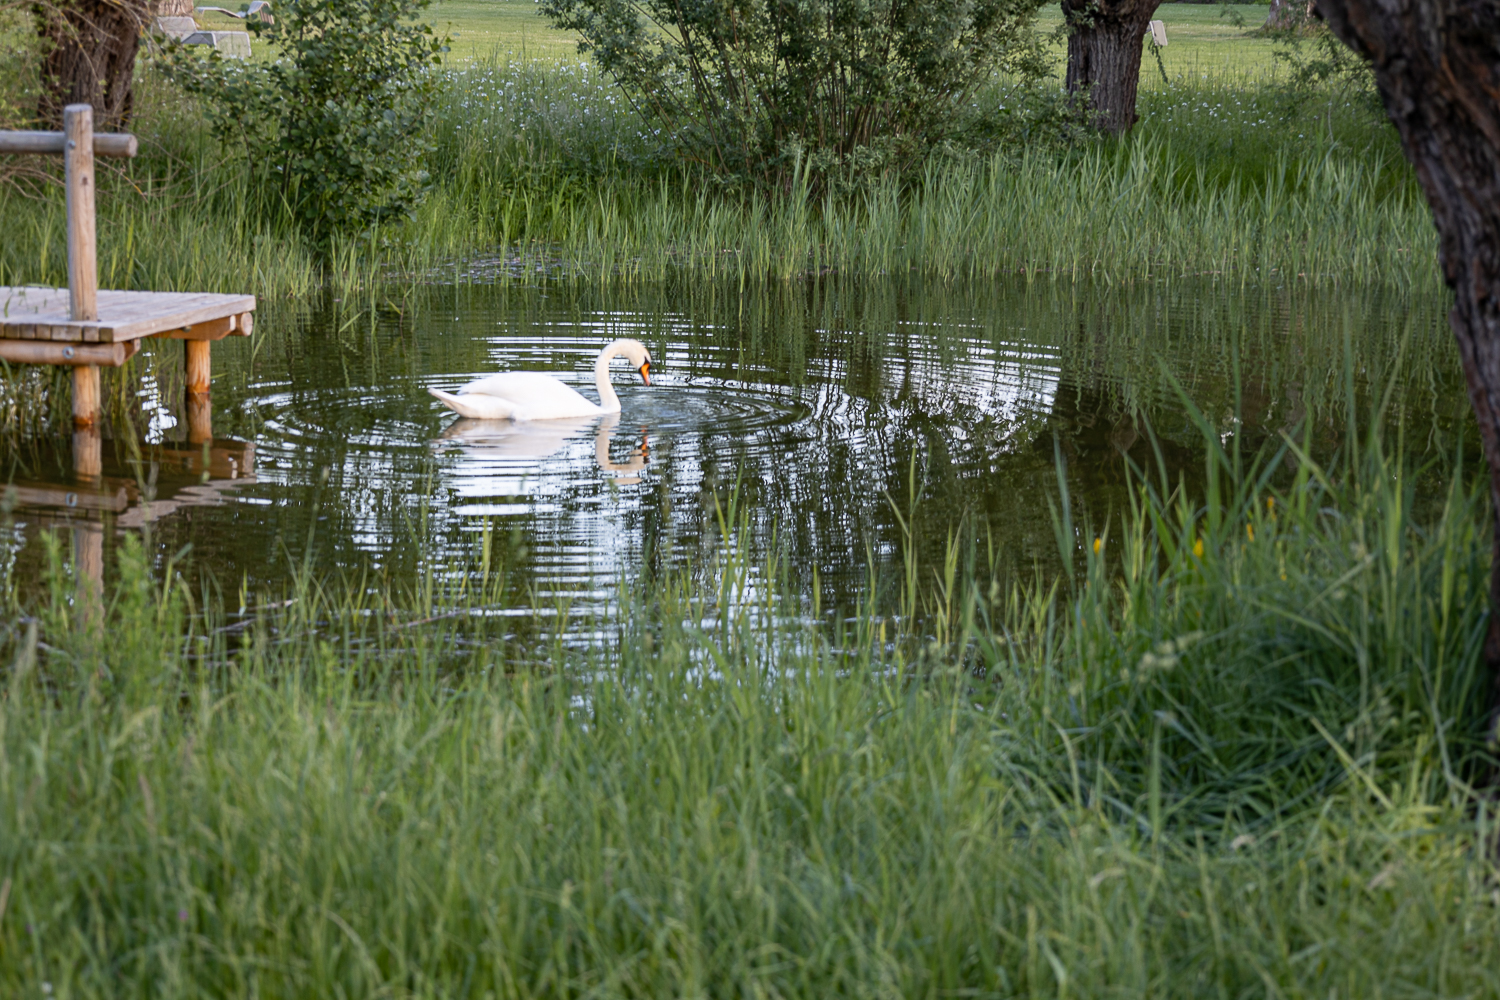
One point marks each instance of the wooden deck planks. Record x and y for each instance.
(31, 312)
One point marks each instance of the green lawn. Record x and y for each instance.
(510, 28)
(1202, 38)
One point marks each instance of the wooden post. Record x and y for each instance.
(83, 266)
(200, 418)
(88, 453)
(85, 396)
(199, 370)
(78, 173)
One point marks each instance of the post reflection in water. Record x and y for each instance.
(98, 488)
(819, 405)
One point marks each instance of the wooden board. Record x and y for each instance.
(34, 312)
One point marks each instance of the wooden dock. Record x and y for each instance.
(85, 328)
(38, 313)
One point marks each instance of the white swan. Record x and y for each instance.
(539, 396)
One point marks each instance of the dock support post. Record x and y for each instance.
(200, 418)
(199, 375)
(88, 568)
(85, 396)
(83, 265)
(199, 369)
(88, 453)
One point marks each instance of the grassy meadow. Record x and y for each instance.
(1236, 749)
(1201, 38)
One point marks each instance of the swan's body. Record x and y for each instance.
(539, 396)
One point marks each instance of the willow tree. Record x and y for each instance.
(1437, 64)
(1105, 38)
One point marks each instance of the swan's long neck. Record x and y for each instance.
(608, 401)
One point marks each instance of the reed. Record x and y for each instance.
(541, 166)
(1232, 751)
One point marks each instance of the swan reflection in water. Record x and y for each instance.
(543, 438)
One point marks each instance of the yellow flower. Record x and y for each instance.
(1098, 544)
(1250, 531)
(1198, 548)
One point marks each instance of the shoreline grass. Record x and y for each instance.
(1236, 751)
(543, 165)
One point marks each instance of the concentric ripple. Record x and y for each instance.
(841, 424)
(812, 449)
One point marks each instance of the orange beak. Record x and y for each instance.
(645, 371)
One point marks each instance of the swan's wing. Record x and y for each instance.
(534, 395)
(477, 405)
(522, 386)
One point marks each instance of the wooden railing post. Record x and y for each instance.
(83, 255)
(78, 172)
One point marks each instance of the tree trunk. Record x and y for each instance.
(1288, 14)
(90, 58)
(1437, 64)
(1104, 56)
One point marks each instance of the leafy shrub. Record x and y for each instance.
(766, 88)
(333, 128)
(22, 51)
(1316, 59)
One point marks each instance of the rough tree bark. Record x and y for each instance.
(1437, 64)
(1104, 56)
(90, 59)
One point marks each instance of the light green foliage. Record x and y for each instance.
(1317, 60)
(334, 127)
(1210, 765)
(752, 88)
(20, 65)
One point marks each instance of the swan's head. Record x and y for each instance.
(635, 352)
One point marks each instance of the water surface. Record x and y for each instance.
(821, 410)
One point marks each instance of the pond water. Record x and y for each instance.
(823, 410)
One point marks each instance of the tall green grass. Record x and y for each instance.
(1232, 755)
(545, 167)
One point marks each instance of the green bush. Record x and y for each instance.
(332, 128)
(764, 88)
